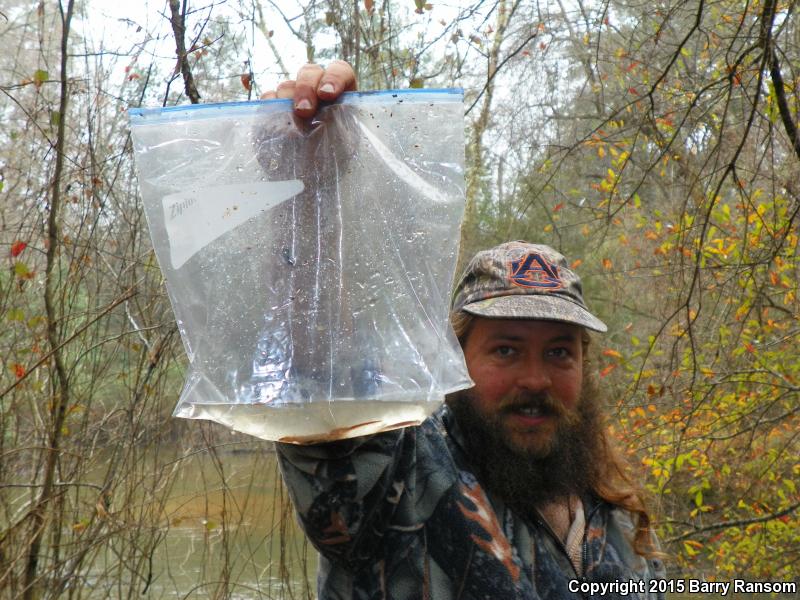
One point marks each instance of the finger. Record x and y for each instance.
(305, 93)
(269, 95)
(285, 89)
(339, 77)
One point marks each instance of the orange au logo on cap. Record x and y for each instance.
(534, 271)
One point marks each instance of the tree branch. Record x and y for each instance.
(495, 69)
(262, 27)
(178, 21)
(60, 399)
(739, 523)
(768, 19)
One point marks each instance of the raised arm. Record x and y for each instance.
(342, 490)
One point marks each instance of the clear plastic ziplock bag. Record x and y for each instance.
(309, 264)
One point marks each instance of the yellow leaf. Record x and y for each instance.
(690, 548)
(600, 152)
(80, 525)
(741, 312)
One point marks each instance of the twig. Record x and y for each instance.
(126, 296)
(500, 65)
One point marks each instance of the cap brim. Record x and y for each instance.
(536, 306)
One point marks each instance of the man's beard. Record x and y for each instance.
(525, 478)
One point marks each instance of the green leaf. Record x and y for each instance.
(34, 322)
(16, 314)
(40, 76)
(21, 269)
(55, 118)
(416, 83)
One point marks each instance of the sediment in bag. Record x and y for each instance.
(309, 264)
(315, 422)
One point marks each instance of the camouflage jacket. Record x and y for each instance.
(400, 515)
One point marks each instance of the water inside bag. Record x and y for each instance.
(309, 265)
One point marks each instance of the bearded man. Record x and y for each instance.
(513, 488)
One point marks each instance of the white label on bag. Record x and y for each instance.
(197, 217)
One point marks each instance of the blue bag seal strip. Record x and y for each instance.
(161, 114)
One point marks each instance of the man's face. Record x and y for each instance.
(528, 377)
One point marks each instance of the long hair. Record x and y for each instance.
(615, 483)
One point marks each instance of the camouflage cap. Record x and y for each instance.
(518, 280)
